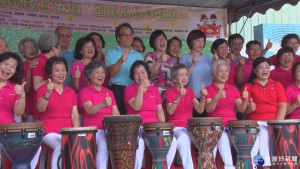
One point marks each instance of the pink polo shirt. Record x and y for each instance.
(8, 97)
(284, 77)
(39, 70)
(151, 99)
(292, 92)
(184, 109)
(247, 68)
(59, 109)
(89, 93)
(82, 80)
(225, 106)
(30, 96)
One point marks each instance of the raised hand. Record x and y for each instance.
(144, 84)
(203, 91)
(33, 63)
(125, 54)
(221, 94)
(50, 86)
(241, 61)
(252, 106)
(107, 101)
(77, 73)
(269, 44)
(245, 94)
(182, 90)
(19, 89)
(164, 57)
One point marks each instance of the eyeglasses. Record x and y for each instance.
(127, 35)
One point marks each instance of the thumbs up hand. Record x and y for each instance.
(203, 91)
(182, 90)
(50, 86)
(252, 106)
(245, 94)
(19, 89)
(77, 73)
(107, 101)
(221, 94)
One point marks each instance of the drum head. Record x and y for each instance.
(242, 123)
(159, 125)
(79, 130)
(205, 120)
(122, 118)
(284, 122)
(18, 127)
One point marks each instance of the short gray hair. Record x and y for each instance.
(47, 41)
(88, 70)
(27, 39)
(175, 68)
(215, 65)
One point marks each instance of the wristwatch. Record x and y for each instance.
(176, 102)
(46, 98)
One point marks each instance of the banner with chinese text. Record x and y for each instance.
(103, 16)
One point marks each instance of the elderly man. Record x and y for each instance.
(119, 60)
(64, 34)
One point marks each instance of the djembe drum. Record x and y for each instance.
(284, 143)
(205, 133)
(21, 141)
(242, 134)
(158, 138)
(121, 133)
(78, 147)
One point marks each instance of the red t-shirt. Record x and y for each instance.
(225, 106)
(266, 99)
(292, 93)
(59, 109)
(89, 93)
(39, 70)
(8, 97)
(151, 99)
(184, 109)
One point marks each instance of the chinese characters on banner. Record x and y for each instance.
(103, 17)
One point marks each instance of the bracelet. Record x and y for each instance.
(46, 98)
(175, 102)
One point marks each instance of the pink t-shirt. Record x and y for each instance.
(82, 80)
(8, 97)
(89, 93)
(247, 68)
(151, 99)
(292, 93)
(59, 109)
(39, 70)
(184, 109)
(231, 77)
(30, 96)
(225, 106)
(284, 77)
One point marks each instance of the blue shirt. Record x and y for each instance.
(112, 56)
(200, 74)
(69, 56)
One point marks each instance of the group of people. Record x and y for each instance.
(59, 86)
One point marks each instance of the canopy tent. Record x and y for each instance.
(236, 8)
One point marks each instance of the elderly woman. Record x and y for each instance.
(173, 47)
(12, 95)
(99, 45)
(3, 45)
(28, 49)
(159, 62)
(143, 99)
(180, 102)
(85, 51)
(221, 100)
(57, 105)
(283, 73)
(220, 50)
(198, 64)
(97, 102)
(267, 101)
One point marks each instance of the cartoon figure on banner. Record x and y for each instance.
(210, 29)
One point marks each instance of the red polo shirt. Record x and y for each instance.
(8, 97)
(284, 77)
